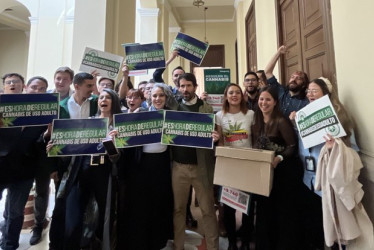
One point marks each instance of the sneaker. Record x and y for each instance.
(36, 235)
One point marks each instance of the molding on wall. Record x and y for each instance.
(33, 19)
(174, 29)
(149, 12)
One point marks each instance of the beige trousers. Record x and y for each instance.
(183, 176)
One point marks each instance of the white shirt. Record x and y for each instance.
(154, 148)
(236, 128)
(190, 102)
(77, 111)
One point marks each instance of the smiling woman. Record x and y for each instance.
(278, 214)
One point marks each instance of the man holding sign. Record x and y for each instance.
(20, 148)
(192, 166)
(82, 104)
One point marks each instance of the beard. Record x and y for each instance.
(294, 87)
(252, 90)
(187, 96)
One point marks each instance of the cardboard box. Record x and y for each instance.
(244, 169)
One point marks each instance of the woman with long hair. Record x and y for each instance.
(277, 217)
(149, 197)
(234, 126)
(313, 212)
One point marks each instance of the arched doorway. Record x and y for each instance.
(14, 33)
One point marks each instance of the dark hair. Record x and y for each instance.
(251, 73)
(305, 83)
(188, 77)
(13, 74)
(263, 76)
(321, 83)
(79, 78)
(179, 67)
(275, 115)
(116, 106)
(141, 83)
(226, 105)
(136, 92)
(65, 70)
(40, 78)
(105, 78)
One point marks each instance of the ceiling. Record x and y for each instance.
(218, 11)
(15, 17)
(184, 11)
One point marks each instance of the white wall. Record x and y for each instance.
(353, 36)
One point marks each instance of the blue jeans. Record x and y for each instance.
(15, 202)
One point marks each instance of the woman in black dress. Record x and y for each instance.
(277, 220)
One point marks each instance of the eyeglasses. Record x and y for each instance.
(106, 85)
(250, 80)
(313, 91)
(9, 82)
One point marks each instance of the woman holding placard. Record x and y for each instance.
(277, 225)
(313, 214)
(234, 126)
(149, 197)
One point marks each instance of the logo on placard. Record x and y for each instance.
(333, 130)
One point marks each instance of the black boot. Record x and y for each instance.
(244, 246)
(36, 235)
(232, 246)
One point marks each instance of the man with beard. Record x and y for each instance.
(293, 97)
(193, 166)
(251, 90)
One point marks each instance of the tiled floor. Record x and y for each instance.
(43, 245)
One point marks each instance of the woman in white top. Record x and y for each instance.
(149, 219)
(234, 126)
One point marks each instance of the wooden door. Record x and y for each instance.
(306, 30)
(215, 57)
(250, 27)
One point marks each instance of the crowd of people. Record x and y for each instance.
(140, 198)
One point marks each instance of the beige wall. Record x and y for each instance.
(14, 46)
(217, 34)
(266, 34)
(352, 23)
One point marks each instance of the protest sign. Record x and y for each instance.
(138, 72)
(144, 56)
(236, 199)
(316, 120)
(136, 129)
(108, 65)
(215, 82)
(190, 48)
(28, 109)
(78, 136)
(188, 129)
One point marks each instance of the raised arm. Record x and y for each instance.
(157, 75)
(123, 89)
(271, 64)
